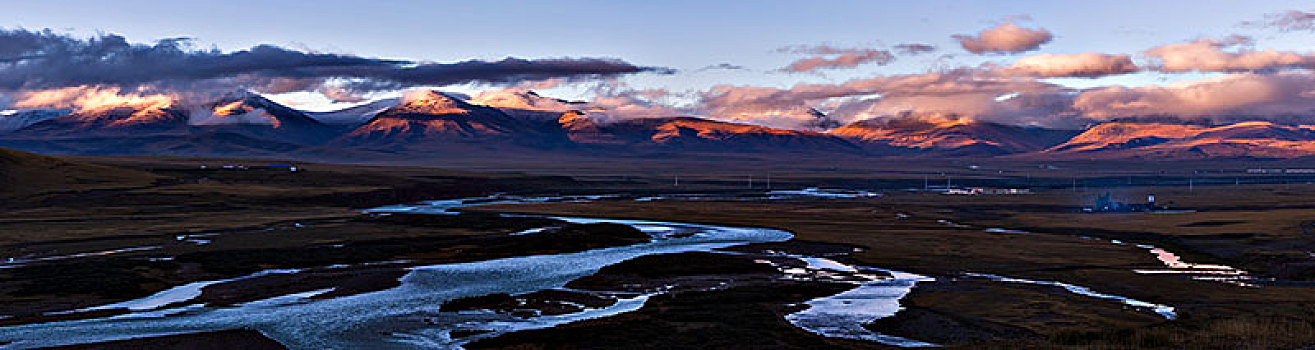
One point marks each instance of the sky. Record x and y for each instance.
(699, 50)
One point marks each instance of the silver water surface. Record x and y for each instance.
(405, 316)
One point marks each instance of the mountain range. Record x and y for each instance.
(1166, 140)
(434, 125)
(961, 137)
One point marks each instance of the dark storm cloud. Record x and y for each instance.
(44, 59)
(507, 70)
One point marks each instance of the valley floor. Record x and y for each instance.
(152, 224)
(951, 237)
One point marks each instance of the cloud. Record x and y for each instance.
(829, 57)
(1291, 20)
(1209, 55)
(820, 122)
(541, 84)
(615, 100)
(612, 100)
(721, 66)
(1004, 38)
(90, 97)
(43, 60)
(1048, 106)
(339, 94)
(1017, 18)
(974, 94)
(509, 70)
(911, 49)
(525, 99)
(1243, 95)
(1086, 65)
(965, 92)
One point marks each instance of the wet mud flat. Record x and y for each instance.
(697, 299)
(901, 231)
(399, 315)
(981, 312)
(762, 295)
(219, 340)
(380, 251)
(678, 295)
(933, 313)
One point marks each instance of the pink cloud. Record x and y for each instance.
(1004, 38)
(1233, 96)
(1209, 55)
(1087, 65)
(990, 96)
(966, 93)
(92, 97)
(829, 57)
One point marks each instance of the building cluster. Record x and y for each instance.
(973, 191)
(1280, 171)
(1106, 204)
(285, 167)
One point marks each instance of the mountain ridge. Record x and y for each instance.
(432, 124)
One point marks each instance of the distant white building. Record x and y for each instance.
(972, 191)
